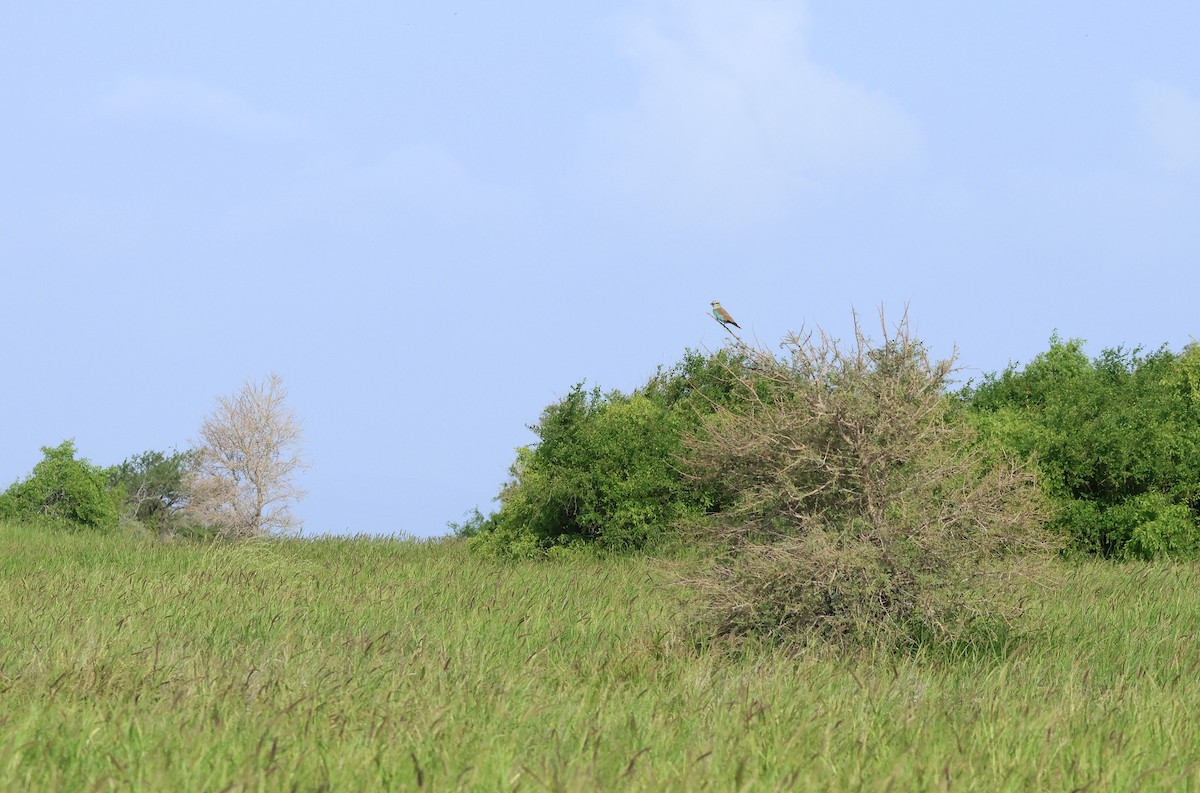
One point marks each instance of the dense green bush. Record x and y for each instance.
(62, 490)
(605, 471)
(865, 509)
(601, 472)
(1117, 440)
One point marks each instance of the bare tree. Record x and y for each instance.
(241, 481)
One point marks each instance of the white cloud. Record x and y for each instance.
(193, 102)
(733, 115)
(1170, 117)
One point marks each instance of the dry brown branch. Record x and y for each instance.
(857, 494)
(248, 454)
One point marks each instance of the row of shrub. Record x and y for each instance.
(1113, 442)
(839, 490)
(142, 493)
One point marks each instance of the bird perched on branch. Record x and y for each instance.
(722, 315)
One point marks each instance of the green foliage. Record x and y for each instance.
(150, 489)
(606, 469)
(472, 524)
(1157, 525)
(62, 490)
(1117, 440)
(602, 471)
(702, 383)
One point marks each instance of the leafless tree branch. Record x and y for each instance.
(248, 453)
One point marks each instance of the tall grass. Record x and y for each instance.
(386, 665)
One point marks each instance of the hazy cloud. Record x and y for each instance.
(1170, 116)
(733, 114)
(418, 184)
(417, 179)
(193, 102)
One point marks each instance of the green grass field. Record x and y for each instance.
(382, 665)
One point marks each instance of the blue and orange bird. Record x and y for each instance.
(723, 316)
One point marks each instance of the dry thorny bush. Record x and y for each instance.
(858, 503)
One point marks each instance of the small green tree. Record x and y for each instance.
(150, 488)
(62, 490)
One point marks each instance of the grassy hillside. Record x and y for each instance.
(373, 665)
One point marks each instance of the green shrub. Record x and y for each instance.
(62, 490)
(602, 472)
(473, 524)
(1117, 440)
(1157, 527)
(606, 471)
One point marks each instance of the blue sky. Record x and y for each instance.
(432, 219)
